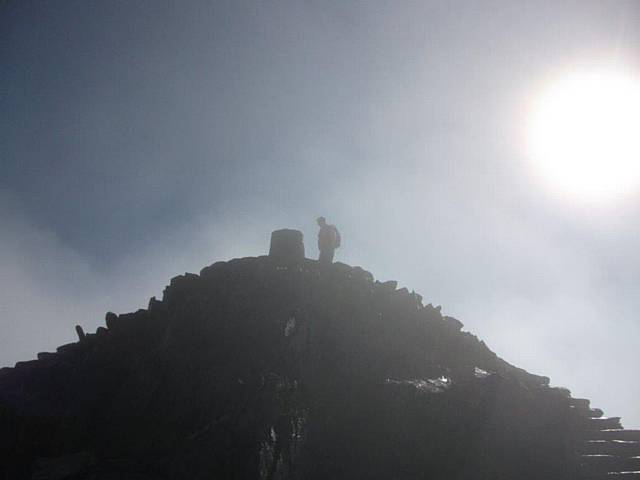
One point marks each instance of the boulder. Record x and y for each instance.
(110, 320)
(453, 323)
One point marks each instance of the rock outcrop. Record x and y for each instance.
(276, 368)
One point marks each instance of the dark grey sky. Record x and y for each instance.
(144, 139)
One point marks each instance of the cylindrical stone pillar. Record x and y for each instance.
(287, 245)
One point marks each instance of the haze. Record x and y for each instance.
(141, 140)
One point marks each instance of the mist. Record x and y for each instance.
(146, 139)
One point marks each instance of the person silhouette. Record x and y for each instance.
(328, 240)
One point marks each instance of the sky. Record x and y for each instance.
(143, 139)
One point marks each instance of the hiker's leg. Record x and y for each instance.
(326, 256)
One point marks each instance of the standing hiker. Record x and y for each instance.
(328, 240)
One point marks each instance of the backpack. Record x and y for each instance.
(337, 240)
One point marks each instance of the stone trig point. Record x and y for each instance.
(287, 245)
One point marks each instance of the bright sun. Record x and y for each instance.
(584, 136)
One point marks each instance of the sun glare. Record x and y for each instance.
(585, 135)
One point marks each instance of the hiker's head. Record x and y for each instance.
(321, 221)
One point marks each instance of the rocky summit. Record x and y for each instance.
(276, 367)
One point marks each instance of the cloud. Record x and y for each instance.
(46, 288)
(190, 134)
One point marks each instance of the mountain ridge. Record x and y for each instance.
(278, 367)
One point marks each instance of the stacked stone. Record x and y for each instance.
(605, 448)
(273, 367)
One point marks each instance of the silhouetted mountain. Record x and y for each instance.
(277, 368)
